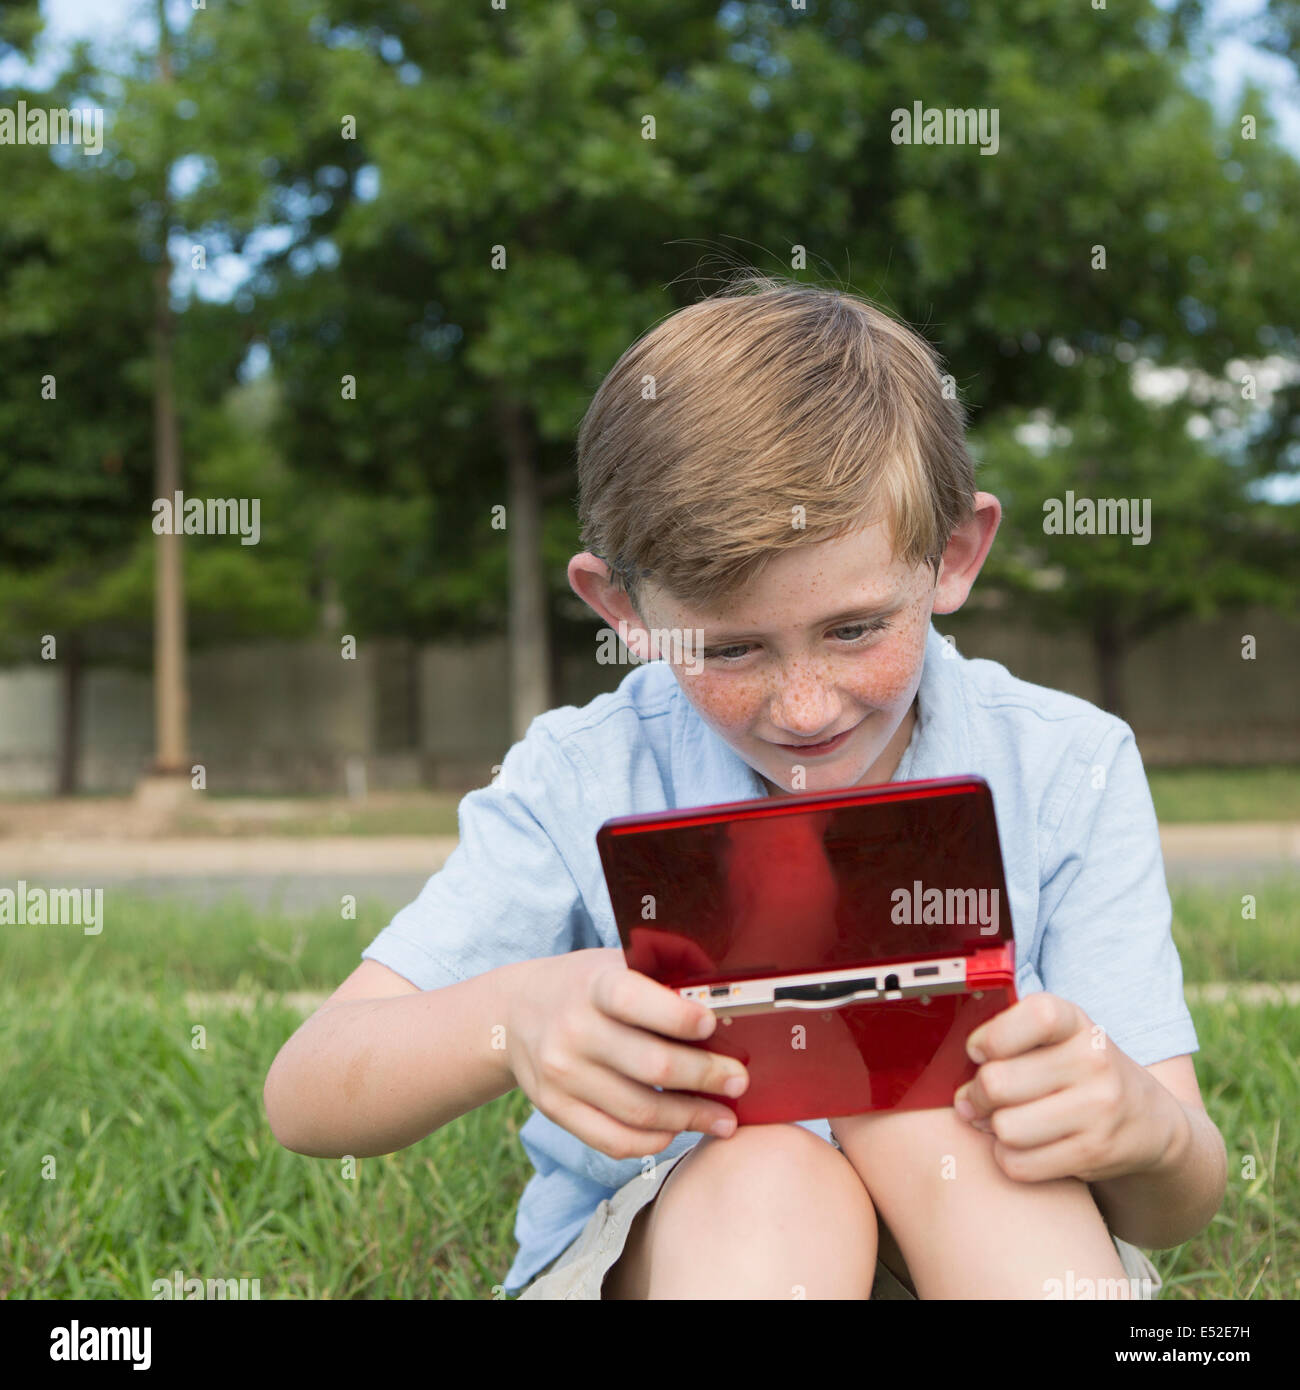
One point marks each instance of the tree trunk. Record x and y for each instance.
(530, 667)
(1108, 649)
(170, 695)
(70, 715)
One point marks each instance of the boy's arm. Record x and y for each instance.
(382, 1064)
(1059, 1105)
(415, 1037)
(1107, 945)
(1170, 1202)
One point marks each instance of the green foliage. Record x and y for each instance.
(79, 255)
(20, 25)
(525, 130)
(1209, 545)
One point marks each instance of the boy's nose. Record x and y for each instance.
(805, 709)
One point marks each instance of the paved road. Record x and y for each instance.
(291, 875)
(282, 894)
(304, 874)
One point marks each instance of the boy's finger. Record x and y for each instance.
(1020, 1080)
(651, 1059)
(630, 997)
(606, 1135)
(1037, 1020)
(646, 1111)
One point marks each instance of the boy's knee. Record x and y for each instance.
(769, 1146)
(775, 1165)
(920, 1148)
(780, 1209)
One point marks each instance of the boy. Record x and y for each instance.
(783, 488)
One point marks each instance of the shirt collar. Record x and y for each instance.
(707, 771)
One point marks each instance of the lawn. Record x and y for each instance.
(131, 1153)
(1199, 794)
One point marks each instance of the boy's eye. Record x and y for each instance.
(731, 655)
(863, 629)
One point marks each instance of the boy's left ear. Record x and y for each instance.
(964, 557)
(591, 579)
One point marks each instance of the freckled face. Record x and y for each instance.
(780, 668)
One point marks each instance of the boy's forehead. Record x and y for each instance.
(862, 557)
(807, 595)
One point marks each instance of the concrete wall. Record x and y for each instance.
(29, 711)
(1189, 695)
(276, 717)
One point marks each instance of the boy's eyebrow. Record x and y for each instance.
(862, 611)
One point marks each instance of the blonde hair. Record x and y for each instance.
(715, 426)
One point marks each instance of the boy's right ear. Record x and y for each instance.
(591, 579)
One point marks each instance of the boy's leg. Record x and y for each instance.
(773, 1212)
(965, 1229)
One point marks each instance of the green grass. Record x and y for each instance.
(1217, 943)
(163, 1159)
(1249, 1080)
(161, 945)
(1204, 794)
(155, 944)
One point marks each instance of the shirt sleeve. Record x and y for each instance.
(506, 892)
(1107, 944)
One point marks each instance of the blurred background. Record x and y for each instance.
(364, 264)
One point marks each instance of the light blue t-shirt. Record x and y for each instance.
(1081, 849)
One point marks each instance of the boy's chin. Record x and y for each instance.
(833, 776)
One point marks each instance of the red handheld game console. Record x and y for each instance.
(849, 941)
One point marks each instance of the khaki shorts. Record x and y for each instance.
(579, 1270)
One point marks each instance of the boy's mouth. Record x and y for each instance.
(814, 750)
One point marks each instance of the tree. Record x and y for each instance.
(79, 252)
(1196, 541)
(20, 24)
(477, 210)
(1116, 221)
(73, 406)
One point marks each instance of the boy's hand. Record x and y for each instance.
(589, 1040)
(1060, 1098)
